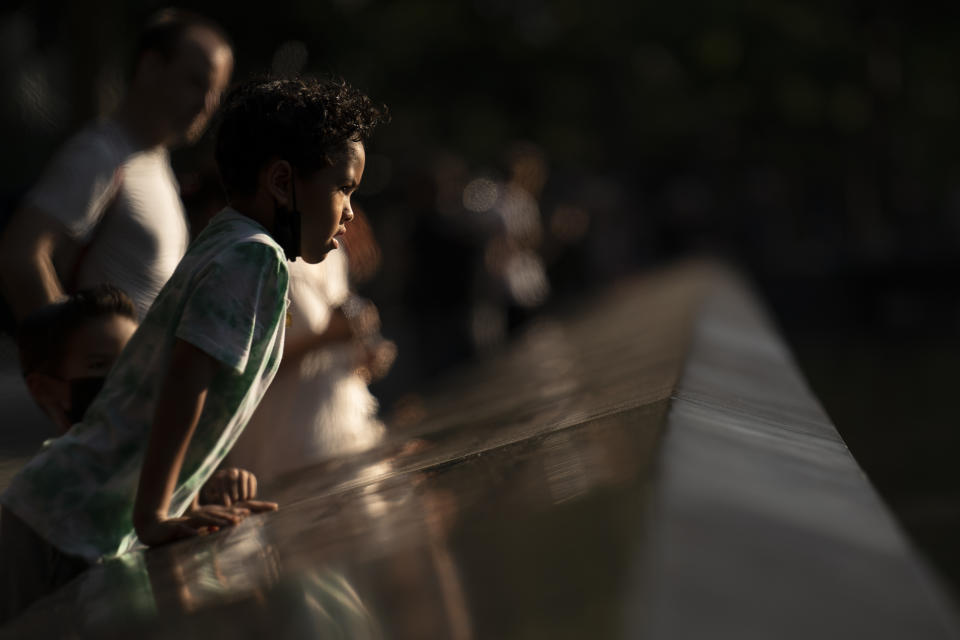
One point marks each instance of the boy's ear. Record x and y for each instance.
(279, 176)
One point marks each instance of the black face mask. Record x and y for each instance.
(82, 393)
(286, 227)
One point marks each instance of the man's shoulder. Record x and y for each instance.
(81, 178)
(101, 142)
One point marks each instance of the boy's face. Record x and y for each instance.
(323, 199)
(88, 355)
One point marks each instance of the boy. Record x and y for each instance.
(290, 154)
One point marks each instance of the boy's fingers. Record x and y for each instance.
(200, 523)
(251, 486)
(235, 484)
(259, 506)
(207, 520)
(237, 513)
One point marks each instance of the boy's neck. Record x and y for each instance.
(257, 208)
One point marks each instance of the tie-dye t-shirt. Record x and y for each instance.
(228, 297)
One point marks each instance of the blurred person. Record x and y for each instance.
(107, 207)
(445, 260)
(319, 406)
(290, 155)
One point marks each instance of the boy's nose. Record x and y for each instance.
(347, 213)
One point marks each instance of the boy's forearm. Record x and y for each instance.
(179, 406)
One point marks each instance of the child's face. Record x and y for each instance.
(88, 355)
(95, 346)
(324, 202)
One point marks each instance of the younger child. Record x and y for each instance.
(290, 154)
(67, 348)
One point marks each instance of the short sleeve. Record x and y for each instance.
(79, 183)
(233, 302)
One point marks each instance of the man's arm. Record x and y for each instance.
(27, 248)
(182, 396)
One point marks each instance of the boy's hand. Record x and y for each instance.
(193, 523)
(228, 487)
(233, 514)
(199, 521)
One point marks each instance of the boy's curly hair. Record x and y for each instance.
(302, 121)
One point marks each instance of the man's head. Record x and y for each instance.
(298, 144)
(67, 348)
(182, 65)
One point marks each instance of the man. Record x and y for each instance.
(107, 208)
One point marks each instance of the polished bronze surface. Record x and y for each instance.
(648, 465)
(517, 509)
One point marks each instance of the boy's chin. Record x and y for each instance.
(315, 257)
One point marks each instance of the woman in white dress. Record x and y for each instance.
(318, 406)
